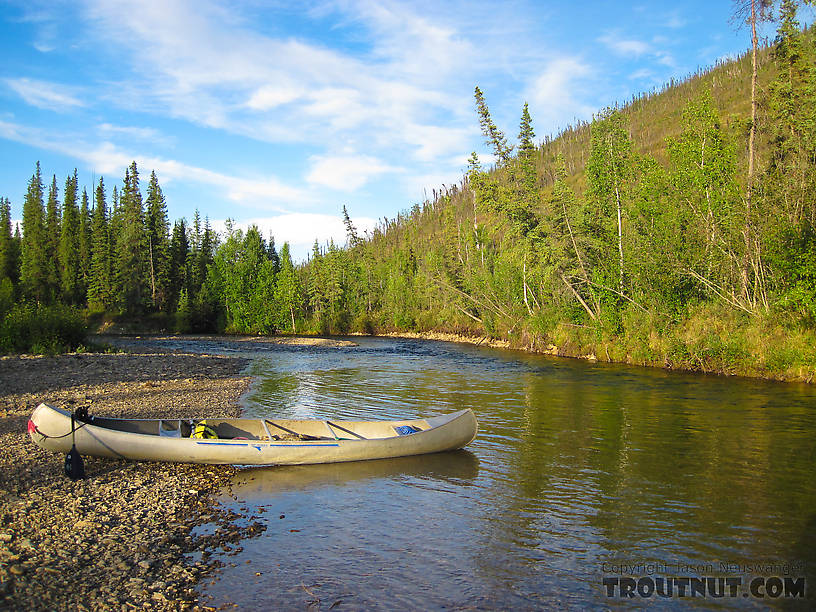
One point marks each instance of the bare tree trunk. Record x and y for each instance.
(747, 257)
(752, 133)
(620, 239)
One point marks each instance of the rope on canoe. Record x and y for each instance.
(65, 435)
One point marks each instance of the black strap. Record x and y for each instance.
(344, 429)
(294, 433)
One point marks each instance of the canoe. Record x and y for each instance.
(250, 441)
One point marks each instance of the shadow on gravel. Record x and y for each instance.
(36, 375)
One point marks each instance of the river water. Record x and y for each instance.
(583, 477)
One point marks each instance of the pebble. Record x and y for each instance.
(74, 545)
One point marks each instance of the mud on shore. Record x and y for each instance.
(124, 537)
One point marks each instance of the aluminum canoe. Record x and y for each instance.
(251, 441)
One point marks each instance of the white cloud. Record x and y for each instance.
(202, 63)
(436, 142)
(346, 172)
(42, 94)
(625, 47)
(266, 192)
(146, 134)
(268, 97)
(301, 230)
(554, 95)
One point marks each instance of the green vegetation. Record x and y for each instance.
(678, 230)
(27, 328)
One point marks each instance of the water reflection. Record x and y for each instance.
(575, 465)
(458, 468)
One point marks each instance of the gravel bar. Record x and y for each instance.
(124, 538)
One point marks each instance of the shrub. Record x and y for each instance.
(41, 329)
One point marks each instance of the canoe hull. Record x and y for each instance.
(50, 428)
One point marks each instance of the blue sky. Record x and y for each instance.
(279, 113)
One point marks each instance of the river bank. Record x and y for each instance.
(751, 351)
(122, 538)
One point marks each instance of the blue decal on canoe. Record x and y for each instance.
(214, 443)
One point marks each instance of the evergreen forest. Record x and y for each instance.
(677, 230)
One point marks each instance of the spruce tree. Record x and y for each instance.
(131, 257)
(52, 236)
(196, 275)
(158, 243)
(68, 256)
(99, 285)
(272, 254)
(6, 241)
(493, 135)
(793, 120)
(526, 133)
(16, 255)
(351, 231)
(205, 252)
(287, 290)
(85, 244)
(178, 270)
(33, 267)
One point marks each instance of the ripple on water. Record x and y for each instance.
(575, 464)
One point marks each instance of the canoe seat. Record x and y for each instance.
(170, 429)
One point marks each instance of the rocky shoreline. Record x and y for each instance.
(124, 538)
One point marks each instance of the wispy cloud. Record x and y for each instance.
(147, 134)
(202, 63)
(42, 94)
(346, 172)
(555, 94)
(623, 46)
(300, 230)
(105, 158)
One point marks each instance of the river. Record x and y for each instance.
(587, 483)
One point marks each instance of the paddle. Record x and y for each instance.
(74, 467)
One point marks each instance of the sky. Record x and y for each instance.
(279, 113)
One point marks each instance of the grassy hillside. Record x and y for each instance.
(694, 273)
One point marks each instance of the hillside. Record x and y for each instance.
(696, 274)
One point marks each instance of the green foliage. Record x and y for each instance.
(70, 269)
(53, 234)
(130, 262)
(243, 277)
(158, 244)
(6, 296)
(493, 135)
(34, 256)
(796, 262)
(100, 290)
(9, 257)
(41, 329)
